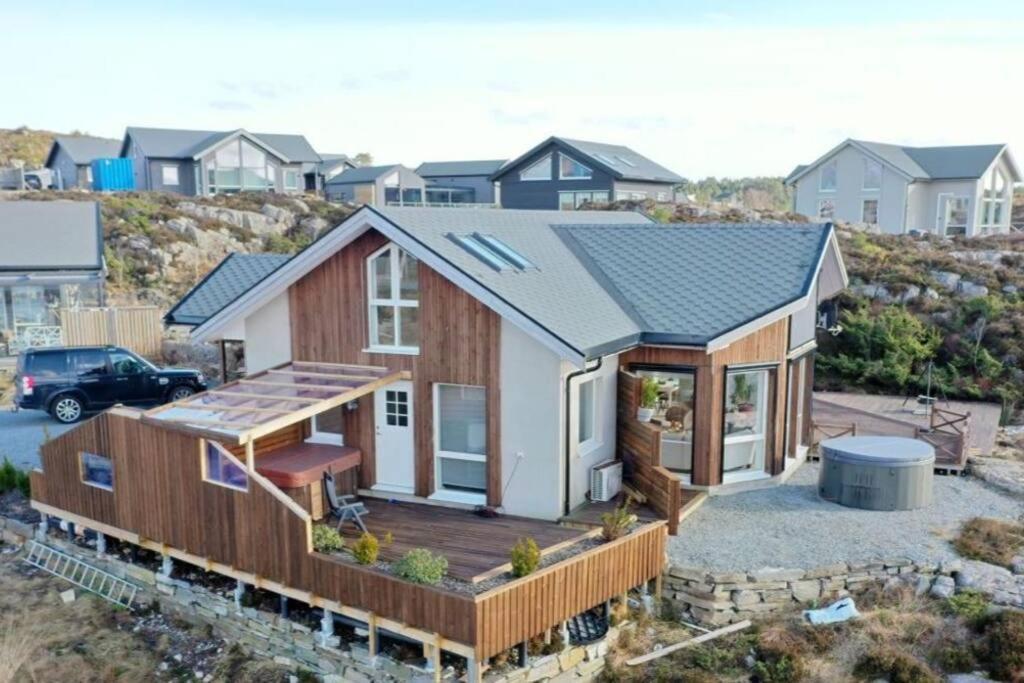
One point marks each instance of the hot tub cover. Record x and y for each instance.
(884, 451)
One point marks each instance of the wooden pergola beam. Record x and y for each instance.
(231, 409)
(348, 366)
(316, 387)
(264, 397)
(328, 375)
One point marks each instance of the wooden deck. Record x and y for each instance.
(476, 547)
(589, 514)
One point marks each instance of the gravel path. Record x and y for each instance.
(789, 526)
(21, 434)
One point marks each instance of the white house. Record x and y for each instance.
(963, 190)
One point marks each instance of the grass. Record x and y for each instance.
(990, 540)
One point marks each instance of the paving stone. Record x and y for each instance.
(542, 668)
(743, 598)
(688, 573)
(827, 570)
(805, 591)
(571, 657)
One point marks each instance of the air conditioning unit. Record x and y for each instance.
(606, 480)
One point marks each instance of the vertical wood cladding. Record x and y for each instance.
(459, 343)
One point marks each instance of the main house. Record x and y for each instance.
(948, 191)
(560, 173)
(387, 185)
(200, 162)
(71, 157)
(460, 182)
(444, 360)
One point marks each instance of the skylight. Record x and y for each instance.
(626, 161)
(492, 251)
(607, 160)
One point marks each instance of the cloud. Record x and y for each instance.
(393, 75)
(231, 105)
(350, 83)
(627, 122)
(503, 117)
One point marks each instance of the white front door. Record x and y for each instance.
(393, 414)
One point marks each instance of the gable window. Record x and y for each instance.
(538, 170)
(394, 300)
(869, 211)
(223, 469)
(169, 174)
(239, 165)
(570, 169)
(827, 209)
(461, 437)
(328, 427)
(995, 198)
(872, 175)
(97, 470)
(829, 177)
(589, 412)
(567, 201)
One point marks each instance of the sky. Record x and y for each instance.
(727, 88)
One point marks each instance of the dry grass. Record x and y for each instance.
(990, 540)
(19, 641)
(6, 388)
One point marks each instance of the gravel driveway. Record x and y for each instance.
(789, 526)
(21, 434)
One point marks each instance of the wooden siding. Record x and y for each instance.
(639, 446)
(459, 344)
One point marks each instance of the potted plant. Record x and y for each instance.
(648, 399)
(741, 394)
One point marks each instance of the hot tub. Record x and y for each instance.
(877, 472)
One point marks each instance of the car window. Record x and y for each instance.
(126, 364)
(46, 365)
(90, 363)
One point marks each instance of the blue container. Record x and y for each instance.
(111, 175)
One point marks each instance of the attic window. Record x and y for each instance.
(492, 251)
(626, 161)
(539, 170)
(570, 169)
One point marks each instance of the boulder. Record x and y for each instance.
(989, 257)
(1009, 289)
(278, 214)
(874, 292)
(943, 587)
(945, 279)
(1017, 564)
(997, 582)
(971, 290)
(300, 206)
(312, 226)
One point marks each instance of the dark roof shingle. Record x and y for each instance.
(459, 168)
(232, 277)
(83, 148)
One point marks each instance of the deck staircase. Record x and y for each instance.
(82, 574)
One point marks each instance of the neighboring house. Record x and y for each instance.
(961, 190)
(460, 182)
(388, 185)
(332, 165)
(71, 158)
(196, 162)
(52, 258)
(436, 360)
(231, 278)
(560, 173)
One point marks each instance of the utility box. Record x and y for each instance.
(113, 175)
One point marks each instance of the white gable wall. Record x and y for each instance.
(268, 339)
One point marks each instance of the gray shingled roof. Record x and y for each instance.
(84, 148)
(459, 168)
(690, 283)
(962, 162)
(50, 235)
(363, 174)
(174, 143)
(232, 277)
(642, 168)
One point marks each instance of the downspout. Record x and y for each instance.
(568, 430)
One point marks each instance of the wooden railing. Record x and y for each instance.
(824, 430)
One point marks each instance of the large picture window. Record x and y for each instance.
(872, 175)
(394, 300)
(220, 467)
(829, 177)
(995, 198)
(239, 165)
(673, 413)
(746, 423)
(97, 470)
(461, 426)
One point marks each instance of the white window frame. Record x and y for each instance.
(82, 470)
(763, 405)
(577, 202)
(395, 302)
(864, 184)
(987, 205)
(440, 492)
(584, 446)
(941, 211)
(629, 195)
(325, 438)
(547, 159)
(588, 176)
(863, 204)
(830, 200)
(224, 453)
(821, 176)
(164, 168)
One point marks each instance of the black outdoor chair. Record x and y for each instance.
(344, 507)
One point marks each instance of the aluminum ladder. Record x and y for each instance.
(107, 586)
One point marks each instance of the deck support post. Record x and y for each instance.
(166, 566)
(371, 632)
(523, 651)
(71, 531)
(564, 630)
(101, 543)
(326, 627)
(646, 598)
(432, 653)
(472, 670)
(42, 528)
(547, 636)
(239, 594)
(658, 586)
(284, 606)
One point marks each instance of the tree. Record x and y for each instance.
(363, 159)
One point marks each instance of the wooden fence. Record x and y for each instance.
(137, 328)
(821, 431)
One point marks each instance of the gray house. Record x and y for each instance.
(331, 165)
(389, 185)
(197, 162)
(560, 173)
(962, 190)
(460, 182)
(71, 158)
(52, 258)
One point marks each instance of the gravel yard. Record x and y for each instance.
(789, 526)
(21, 434)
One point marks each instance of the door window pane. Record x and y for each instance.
(566, 201)
(462, 418)
(746, 407)
(125, 364)
(48, 365)
(464, 475)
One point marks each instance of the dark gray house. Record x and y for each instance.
(560, 173)
(71, 158)
(198, 162)
(389, 185)
(460, 182)
(52, 258)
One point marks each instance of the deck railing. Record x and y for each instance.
(824, 430)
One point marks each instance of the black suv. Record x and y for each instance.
(68, 381)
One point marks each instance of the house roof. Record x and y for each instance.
(84, 148)
(331, 161)
(222, 285)
(621, 162)
(175, 143)
(50, 236)
(459, 168)
(361, 174)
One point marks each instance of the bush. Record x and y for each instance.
(326, 539)
(616, 523)
(525, 557)
(894, 665)
(780, 656)
(12, 478)
(366, 549)
(421, 566)
(1003, 646)
(969, 605)
(990, 540)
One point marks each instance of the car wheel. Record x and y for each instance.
(180, 393)
(66, 409)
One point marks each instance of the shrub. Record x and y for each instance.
(421, 566)
(8, 476)
(970, 605)
(1003, 645)
(780, 656)
(366, 549)
(990, 540)
(884, 661)
(326, 539)
(616, 523)
(525, 557)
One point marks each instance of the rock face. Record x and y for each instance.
(970, 290)
(948, 281)
(260, 223)
(1001, 585)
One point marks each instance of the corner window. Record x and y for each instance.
(461, 436)
(221, 468)
(673, 412)
(827, 209)
(872, 175)
(328, 427)
(393, 300)
(97, 470)
(169, 174)
(538, 170)
(746, 422)
(588, 412)
(829, 177)
(570, 169)
(869, 211)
